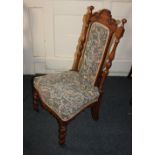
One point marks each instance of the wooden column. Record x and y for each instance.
(62, 132)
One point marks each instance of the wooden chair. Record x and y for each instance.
(67, 94)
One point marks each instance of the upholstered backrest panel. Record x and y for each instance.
(94, 50)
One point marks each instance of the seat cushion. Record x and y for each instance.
(64, 93)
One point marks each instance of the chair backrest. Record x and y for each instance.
(96, 48)
(91, 60)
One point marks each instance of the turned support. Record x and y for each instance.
(35, 101)
(62, 133)
(82, 39)
(95, 109)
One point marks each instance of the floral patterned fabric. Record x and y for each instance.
(64, 94)
(70, 92)
(94, 51)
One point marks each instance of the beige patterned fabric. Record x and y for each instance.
(70, 92)
(64, 94)
(94, 51)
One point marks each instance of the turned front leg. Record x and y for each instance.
(62, 133)
(35, 101)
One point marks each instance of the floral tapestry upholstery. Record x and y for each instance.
(69, 92)
(64, 93)
(94, 50)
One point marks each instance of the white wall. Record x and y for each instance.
(52, 29)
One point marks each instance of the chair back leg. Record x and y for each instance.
(95, 111)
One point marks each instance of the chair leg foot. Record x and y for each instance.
(95, 111)
(62, 133)
(35, 101)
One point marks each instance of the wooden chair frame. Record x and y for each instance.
(116, 32)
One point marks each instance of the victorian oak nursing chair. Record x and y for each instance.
(67, 94)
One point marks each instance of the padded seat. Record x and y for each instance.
(64, 93)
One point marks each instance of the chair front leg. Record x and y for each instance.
(35, 101)
(62, 132)
(95, 111)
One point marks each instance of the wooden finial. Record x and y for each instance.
(91, 8)
(124, 21)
